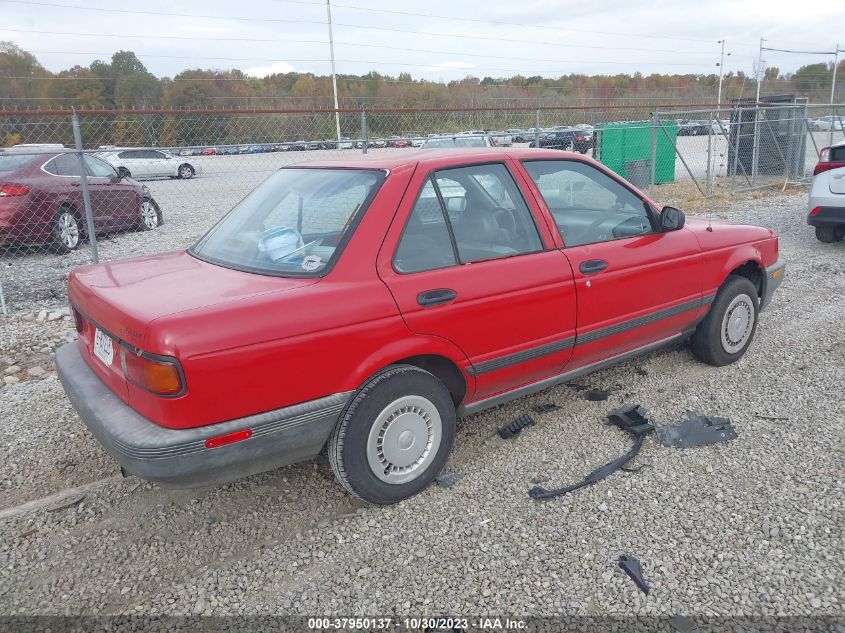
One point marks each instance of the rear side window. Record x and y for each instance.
(837, 154)
(425, 244)
(64, 165)
(475, 210)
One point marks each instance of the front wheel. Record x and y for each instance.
(829, 234)
(149, 216)
(186, 172)
(726, 332)
(394, 437)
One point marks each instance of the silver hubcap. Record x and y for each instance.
(68, 230)
(149, 215)
(404, 439)
(737, 324)
(185, 172)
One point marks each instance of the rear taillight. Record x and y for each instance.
(159, 375)
(78, 321)
(826, 166)
(13, 189)
(816, 211)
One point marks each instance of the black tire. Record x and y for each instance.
(123, 172)
(66, 224)
(149, 215)
(348, 444)
(708, 344)
(186, 171)
(829, 234)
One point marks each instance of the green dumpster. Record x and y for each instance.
(626, 149)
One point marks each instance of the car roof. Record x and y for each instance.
(438, 157)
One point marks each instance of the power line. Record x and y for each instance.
(355, 26)
(399, 48)
(453, 18)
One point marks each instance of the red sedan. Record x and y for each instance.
(367, 303)
(41, 200)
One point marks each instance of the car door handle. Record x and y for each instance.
(436, 297)
(592, 266)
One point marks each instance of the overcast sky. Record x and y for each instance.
(498, 38)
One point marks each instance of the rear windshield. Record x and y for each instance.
(13, 162)
(294, 224)
(837, 154)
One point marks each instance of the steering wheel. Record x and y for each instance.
(506, 221)
(592, 227)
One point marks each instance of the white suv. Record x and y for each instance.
(827, 195)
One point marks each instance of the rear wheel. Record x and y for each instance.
(67, 231)
(149, 217)
(186, 172)
(394, 437)
(829, 234)
(726, 332)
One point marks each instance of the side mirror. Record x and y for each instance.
(671, 219)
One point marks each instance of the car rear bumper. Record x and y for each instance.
(828, 216)
(180, 457)
(771, 282)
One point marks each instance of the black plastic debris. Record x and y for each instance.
(696, 430)
(632, 567)
(545, 407)
(683, 624)
(630, 418)
(597, 395)
(515, 428)
(447, 480)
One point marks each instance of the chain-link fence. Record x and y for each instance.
(112, 184)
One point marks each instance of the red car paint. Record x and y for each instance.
(30, 197)
(250, 343)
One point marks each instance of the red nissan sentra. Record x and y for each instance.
(366, 303)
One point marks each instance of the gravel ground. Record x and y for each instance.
(749, 528)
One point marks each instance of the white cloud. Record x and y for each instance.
(272, 69)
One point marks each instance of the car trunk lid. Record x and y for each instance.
(122, 298)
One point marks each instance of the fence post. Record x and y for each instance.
(653, 162)
(737, 131)
(363, 131)
(710, 176)
(537, 128)
(3, 301)
(86, 195)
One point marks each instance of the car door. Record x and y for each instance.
(162, 164)
(65, 168)
(117, 203)
(467, 260)
(635, 286)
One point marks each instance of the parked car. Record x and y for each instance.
(825, 123)
(365, 333)
(41, 200)
(500, 139)
(208, 151)
(694, 128)
(518, 135)
(148, 163)
(296, 146)
(345, 143)
(566, 139)
(458, 140)
(827, 195)
(398, 141)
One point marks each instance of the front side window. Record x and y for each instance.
(295, 223)
(425, 243)
(588, 205)
(98, 168)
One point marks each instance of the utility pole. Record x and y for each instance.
(721, 72)
(759, 69)
(832, 94)
(334, 76)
